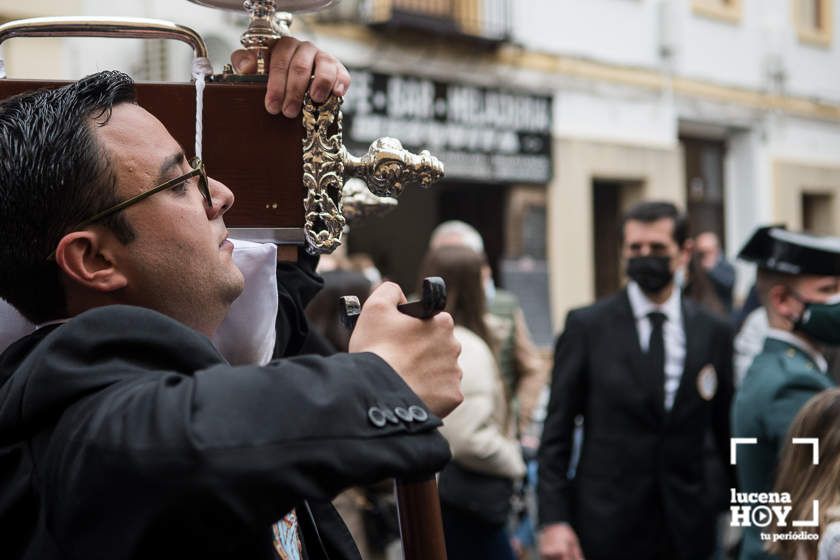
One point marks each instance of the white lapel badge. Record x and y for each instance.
(707, 382)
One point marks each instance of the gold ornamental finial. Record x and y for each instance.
(387, 169)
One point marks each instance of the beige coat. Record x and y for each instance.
(477, 430)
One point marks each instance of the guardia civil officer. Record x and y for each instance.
(799, 285)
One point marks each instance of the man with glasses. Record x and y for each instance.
(123, 432)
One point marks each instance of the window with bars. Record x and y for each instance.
(725, 10)
(813, 21)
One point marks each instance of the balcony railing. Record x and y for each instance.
(483, 20)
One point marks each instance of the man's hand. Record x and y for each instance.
(291, 66)
(423, 352)
(559, 542)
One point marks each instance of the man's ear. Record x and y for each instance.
(782, 302)
(86, 259)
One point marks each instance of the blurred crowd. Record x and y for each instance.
(647, 387)
(486, 495)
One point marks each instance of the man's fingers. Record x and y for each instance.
(245, 62)
(292, 66)
(388, 292)
(331, 77)
(326, 73)
(281, 60)
(300, 70)
(342, 82)
(444, 320)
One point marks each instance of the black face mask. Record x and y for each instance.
(650, 273)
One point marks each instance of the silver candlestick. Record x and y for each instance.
(270, 20)
(266, 27)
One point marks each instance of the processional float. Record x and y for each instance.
(288, 174)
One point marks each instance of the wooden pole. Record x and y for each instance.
(418, 503)
(421, 525)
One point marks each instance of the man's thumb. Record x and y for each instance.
(245, 62)
(388, 292)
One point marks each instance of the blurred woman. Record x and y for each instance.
(700, 287)
(476, 487)
(806, 482)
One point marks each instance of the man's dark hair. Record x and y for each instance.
(54, 174)
(653, 211)
(766, 280)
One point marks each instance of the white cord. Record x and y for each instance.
(201, 68)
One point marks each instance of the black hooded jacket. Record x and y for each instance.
(124, 434)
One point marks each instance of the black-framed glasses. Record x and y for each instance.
(203, 187)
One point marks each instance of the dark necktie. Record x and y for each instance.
(656, 347)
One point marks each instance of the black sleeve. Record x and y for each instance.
(568, 387)
(297, 284)
(154, 420)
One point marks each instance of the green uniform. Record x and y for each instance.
(779, 382)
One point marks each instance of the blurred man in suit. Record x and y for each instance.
(650, 373)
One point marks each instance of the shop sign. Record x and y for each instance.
(480, 134)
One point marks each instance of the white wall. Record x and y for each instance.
(615, 115)
(626, 32)
(616, 31)
(14, 9)
(748, 198)
(720, 51)
(803, 139)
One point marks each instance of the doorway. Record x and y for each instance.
(483, 207)
(704, 185)
(398, 241)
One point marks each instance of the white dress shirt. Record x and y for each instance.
(672, 332)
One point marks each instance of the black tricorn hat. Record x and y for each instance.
(777, 249)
